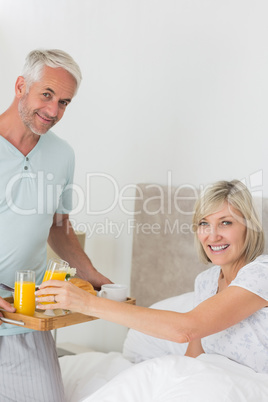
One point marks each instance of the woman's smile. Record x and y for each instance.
(222, 235)
(218, 248)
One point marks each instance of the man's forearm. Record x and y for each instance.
(63, 240)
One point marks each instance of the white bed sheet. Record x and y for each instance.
(85, 373)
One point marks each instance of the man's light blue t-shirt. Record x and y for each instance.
(32, 189)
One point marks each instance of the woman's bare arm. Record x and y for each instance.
(194, 348)
(213, 315)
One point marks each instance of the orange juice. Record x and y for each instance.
(24, 297)
(58, 275)
(55, 275)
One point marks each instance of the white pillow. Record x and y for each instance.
(139, 347)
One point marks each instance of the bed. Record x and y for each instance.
(151, 369)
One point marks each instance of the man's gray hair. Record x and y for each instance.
(37, 59)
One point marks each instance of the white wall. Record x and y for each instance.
(171, 88)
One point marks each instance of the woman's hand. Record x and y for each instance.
(64, 295)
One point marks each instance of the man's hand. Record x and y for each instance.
(5, 306)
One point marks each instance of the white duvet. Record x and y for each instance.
(154, 370)
(209, 378)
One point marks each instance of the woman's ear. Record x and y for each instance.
(20, 87)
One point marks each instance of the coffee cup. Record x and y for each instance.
(114, 291)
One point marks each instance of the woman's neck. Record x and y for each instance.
(228, 274)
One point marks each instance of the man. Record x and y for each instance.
(35, 200)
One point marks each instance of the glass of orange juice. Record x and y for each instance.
(24, 294)
(56, 269)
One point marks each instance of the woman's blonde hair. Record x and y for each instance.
(236, 194)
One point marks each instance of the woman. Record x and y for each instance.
(230, 317)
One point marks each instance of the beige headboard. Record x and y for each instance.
(164, 260)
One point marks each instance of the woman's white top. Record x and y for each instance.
(247, 341)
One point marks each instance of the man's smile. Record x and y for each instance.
(47, 119)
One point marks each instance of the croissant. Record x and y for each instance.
(85, 285)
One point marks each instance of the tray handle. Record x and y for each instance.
(9, 321)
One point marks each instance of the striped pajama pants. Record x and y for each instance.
(29, 368)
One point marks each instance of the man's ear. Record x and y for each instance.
(20, 87)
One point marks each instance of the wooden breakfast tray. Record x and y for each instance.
(42, 322)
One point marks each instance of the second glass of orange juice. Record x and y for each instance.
(56, 270)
